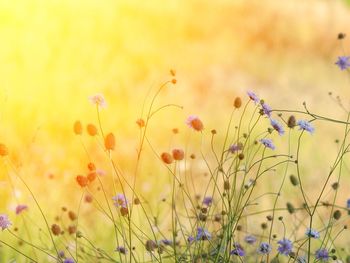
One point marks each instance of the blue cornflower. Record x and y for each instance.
(322, 254)
(343, 62)
(68, 260)
(166, 242)
(277, 126)
(121, 250)
(237, 250)
(190, 239)
(253, 96)
(250, 239)
(202, 234)
(208, 200)
(268, 143)
(264, 248)
(285, 246)
(235, 147)
(348, 204)
(312, 233)
(305, 125)
(266, 109)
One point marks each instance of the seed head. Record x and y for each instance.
(78, 128)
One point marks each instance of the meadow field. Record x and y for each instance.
(174, 131)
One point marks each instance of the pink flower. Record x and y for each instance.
(20, 209)
(195, 123)
(4, 222)
(99, 100)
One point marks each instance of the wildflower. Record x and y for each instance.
(266, 109)
(337, 214)
(166, 242)
(264, 248)
(82, 180)
(306, 126)
(121, 250)
(235, 147)
(61, 254)
(91, 176)
(285, 246)
(343, 62)
(178, 154)
(88, 198)
(195, 123)
(268, 143)
(72, 216)
(348, 204)
(202, 234)
(120, 201)
(173, 81)
(190, 239)
(3, 150)
(141, 123)
(250, 239)
(277, 126)
(78, 128)
(150, 245)
(56, 230)
(91, 129)
(99, 100)
(294, 180)
(91, 167)
(166, 158)
(124, 211)
(4, 222)
(312, 233)
(253, 97)
(322, 254)
(208, 200)
(237, 103)
(72, 229)
(110, 141)
(238, 250)
(20, 209)
(291, 122)
(68, 260)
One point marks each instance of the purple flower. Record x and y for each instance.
(253, 97)
(250, 239)
(20, 209)
(4, 222)
(235, 147)
(312, 233)
(68, 260)
(190, 239)
(166, 242)
(277, 126)
(120, 201)
(343, 62)
(61, 254)
(264, 248)
(266, 109)
(322, 254)
(285, 246)
(121, 250)
(306, 126)
(268, 143)
(202, 234)
(208, 200)
(237, 250)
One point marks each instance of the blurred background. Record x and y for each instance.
(55, 54)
